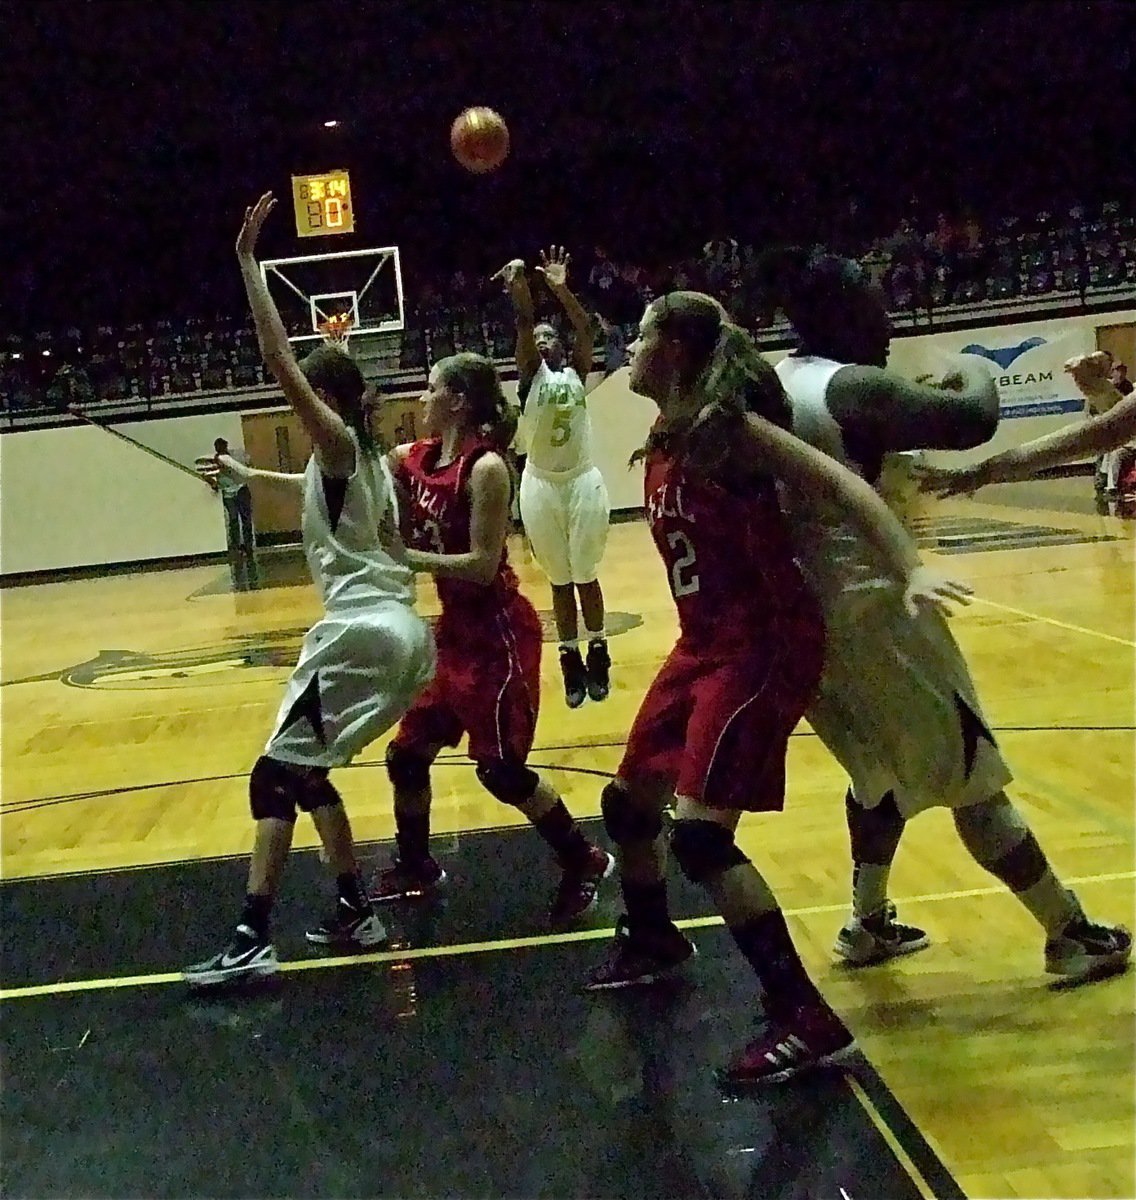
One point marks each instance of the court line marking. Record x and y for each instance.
(535, 941)
(1022, 612)
(34, 803)
(893, 1142)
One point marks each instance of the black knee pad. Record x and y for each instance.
(407, 769)
(510, 782)
(274, 790)
(318, 793)
(704, 849)
(625, 821)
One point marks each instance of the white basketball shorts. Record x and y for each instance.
(359, 671)
(566, 522)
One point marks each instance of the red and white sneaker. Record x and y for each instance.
(576, 894)
(805, 1040)
(406, 881)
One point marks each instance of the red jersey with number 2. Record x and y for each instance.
(729, 560)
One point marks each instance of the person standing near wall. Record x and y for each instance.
(236, 497)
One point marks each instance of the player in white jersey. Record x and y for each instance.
(897, 706)
(360, 665)
(1110, 430)
(564, 502)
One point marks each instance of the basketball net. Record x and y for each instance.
(336, 329)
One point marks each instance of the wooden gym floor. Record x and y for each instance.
(463, 1060)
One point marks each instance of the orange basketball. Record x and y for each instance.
(479, 139)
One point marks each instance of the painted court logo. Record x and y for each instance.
(1003, 356)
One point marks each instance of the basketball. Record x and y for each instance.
(479, 139)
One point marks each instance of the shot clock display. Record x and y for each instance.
(323, 204)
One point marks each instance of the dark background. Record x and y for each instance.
(135, 133)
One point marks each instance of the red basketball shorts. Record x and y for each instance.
(715, 727)
(487, 685)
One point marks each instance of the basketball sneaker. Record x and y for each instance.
(247, 956)
(876, 938)
(407, 881)
(636, 959)
(575, 676)
(349, 927)
(598, 667)
(807, 1039)
(1085, 950)
(576, 894)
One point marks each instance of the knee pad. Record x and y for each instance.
(510, 782)
(704, 849)
(624, 820)
(406, 769)
(273, 790)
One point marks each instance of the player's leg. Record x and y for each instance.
(1001, 841)
(803, 1030)
(873, 934)
(648, 946)
(232, 524)
(583, 864)
(274, 792)
(545, 514)
(500, 737)
(413, 872)
(589, 517)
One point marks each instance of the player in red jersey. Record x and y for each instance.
(457, 491)
(714, 726)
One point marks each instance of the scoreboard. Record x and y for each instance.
(323, 204)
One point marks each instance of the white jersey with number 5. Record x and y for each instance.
(557, 428)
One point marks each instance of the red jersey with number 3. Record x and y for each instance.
(729, 559)
(438, 522)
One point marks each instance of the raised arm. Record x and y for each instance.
(239, 470)
(890, 413)
(554, 269)
(490, 491)
(332, 444)
(1093, 436)
(814, 474)
(512, 274)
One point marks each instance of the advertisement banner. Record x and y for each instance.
(1028, 366)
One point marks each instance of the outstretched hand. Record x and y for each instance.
(250, 227)
(949, 481)
(511, 273)
(925, 586)
(554, 266)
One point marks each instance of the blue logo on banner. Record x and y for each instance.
(1007, 354)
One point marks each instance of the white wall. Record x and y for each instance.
(78, 496)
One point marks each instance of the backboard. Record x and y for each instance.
(364, 284)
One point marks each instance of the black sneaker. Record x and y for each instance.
(247, 956)
(867, 940)
(349, 927)
(599, 670)
(635, 960)
(575, 676)
(1086, 950)
(406, 881)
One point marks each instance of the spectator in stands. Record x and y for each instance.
(236, 498)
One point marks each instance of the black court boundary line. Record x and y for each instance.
(907, 1134)
(456, 759)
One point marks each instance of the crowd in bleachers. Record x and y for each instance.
(958, 262)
